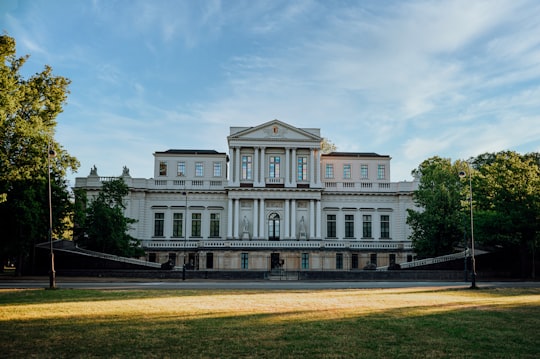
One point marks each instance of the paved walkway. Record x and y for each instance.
(127, 283)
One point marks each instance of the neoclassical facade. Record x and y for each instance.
(273, 202)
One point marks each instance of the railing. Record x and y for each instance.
(86, 252)
(292, 244)
(370, 186)
(159, 184)
(274, 180)
(441, 259)
(184, 184)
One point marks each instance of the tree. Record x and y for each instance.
(437, 225)
(327, 146)
(105, 224)
(507, 196)
(28, 111)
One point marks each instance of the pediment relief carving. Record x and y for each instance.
(275, 130)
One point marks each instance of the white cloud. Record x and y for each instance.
(409, 79)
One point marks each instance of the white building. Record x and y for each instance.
(275, 201)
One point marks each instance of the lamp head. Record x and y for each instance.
(462, 174)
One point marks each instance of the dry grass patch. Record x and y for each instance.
(226, 324)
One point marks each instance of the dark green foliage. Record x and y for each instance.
(437, 226)
(105, 224)
(506, 205)
(28, 111)
(507, 199)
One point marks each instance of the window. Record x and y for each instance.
(364, 171)
(339, 260)
(366, 226)
(195, 224)
(178, 224)
(354, 261)
(381, 172)
(199, 169)
(331, 226)
(305, 260)
(347, 171)
(159, 221)
(274, 167)
(162, 168)
(244, 260)
(209, 260)
(392, 259)
(172, 258)
(217, 169)
(214, 224)
(349, 226)
(302, 169)
(273, 227)
(329, 173)
(373, 258)
(152, 257)
(181, 169)
(246, 167)
(385, 226)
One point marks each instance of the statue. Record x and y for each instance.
(93, 171)
(125, 172)
(245, 228)
(302, 228)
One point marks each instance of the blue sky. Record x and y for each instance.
(409, 79)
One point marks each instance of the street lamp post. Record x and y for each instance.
(185, 237)
(473, 261)
(52, 274)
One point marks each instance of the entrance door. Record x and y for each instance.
(274, 261)
(193, 261)
(273, 227)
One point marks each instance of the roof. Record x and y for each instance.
(354, 154)
(189, 152)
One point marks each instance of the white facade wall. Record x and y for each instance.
(273, 196)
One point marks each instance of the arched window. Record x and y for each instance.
(273, 227)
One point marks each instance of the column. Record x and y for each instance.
(256, 167)
(255, 234)
(311, 168)
(293, 219)
(312, 233)
(237, 165)
(263, 166)
(340, 224)
(231, 166)
(357, 225)
(319, 220)
(294, 169)
(236, 218)
(230, 220)
(262, 235)
(286, 220)
(318, 168)
(287, 167)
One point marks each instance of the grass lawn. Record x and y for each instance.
(386, 323)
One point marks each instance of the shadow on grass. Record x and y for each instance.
(494, 331)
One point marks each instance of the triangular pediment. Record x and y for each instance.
(275, 130)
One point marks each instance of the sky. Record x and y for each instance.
(408, 79)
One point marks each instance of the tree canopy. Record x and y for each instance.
(327, 146)
(28, 112)
(507, 199)
(437, 224)
(104, 223)
(506, 204)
